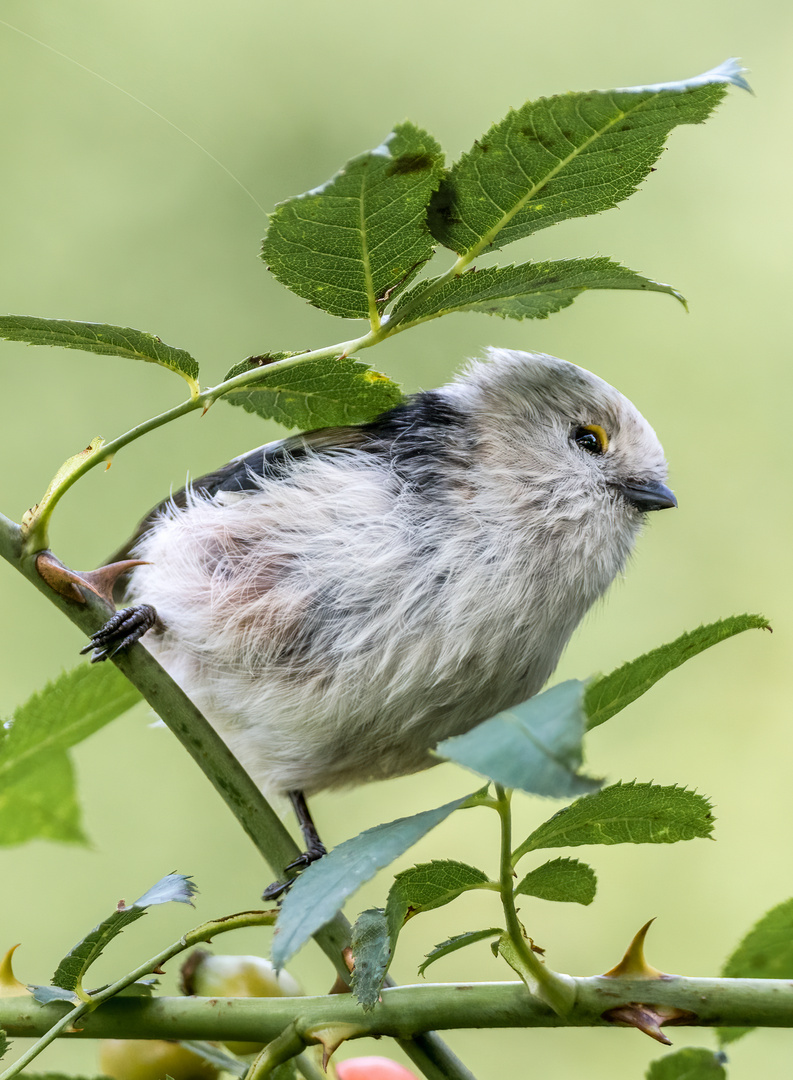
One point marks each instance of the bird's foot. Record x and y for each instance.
(120, 632)
(279, 889)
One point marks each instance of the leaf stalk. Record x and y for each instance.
(556, 990)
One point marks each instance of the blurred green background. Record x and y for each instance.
(109, 214)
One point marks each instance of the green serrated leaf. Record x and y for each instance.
(427, 886)
(37, 792)
(355, 242)
(535, 747)
(528, 291)
(625, 814)
(691, 1063)
(564, 157)
(102, 339)
(4, 1043)
(316, 393)
(765, 953)
(253, 363)
(611, 693)
(42, 805)
(71, 970)
(323, 887)
(459, 941)
(371, 950)
(565, 880)
(62, 714)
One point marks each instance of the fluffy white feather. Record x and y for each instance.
(389, 586)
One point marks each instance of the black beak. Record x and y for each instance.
(647, 495)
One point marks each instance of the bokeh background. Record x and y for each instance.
(110, 214)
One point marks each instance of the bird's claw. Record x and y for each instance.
(120, 632)
(279, 889)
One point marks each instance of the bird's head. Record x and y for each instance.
(562, 431)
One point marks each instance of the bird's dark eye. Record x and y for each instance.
(592, 438)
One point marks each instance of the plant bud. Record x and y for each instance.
(235, 976)
(152, 1059)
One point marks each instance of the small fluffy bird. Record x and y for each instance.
(338, 602)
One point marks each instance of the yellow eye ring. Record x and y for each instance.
(592, 438)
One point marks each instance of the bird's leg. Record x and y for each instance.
(120, 631)
(315, 849)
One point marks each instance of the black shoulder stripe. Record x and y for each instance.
(274, 460)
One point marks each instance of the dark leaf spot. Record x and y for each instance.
(407, 164)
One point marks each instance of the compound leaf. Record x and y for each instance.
(610, 694)
(316, 393)
(625, 814)
(535, 747)
(528, 291)
(352, 244)
(323, 887)
(565, 880)
(102, 339)
(459, 941)
(371, 950)
(71, 970)
(765, 953)
(564, 157)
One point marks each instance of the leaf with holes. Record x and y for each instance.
(564, 880)
(564, 157)
(528, 291)
(535, 747)
(625, 814)
(316, 393)
(355, 242)
(102, 339)
(611, 693)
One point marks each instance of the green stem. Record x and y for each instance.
(396, 324)
(409, 1010)
(200, 934)
(308, 1068)
(555, 989)
(36, 527)
(36, 530)
(285, 1046)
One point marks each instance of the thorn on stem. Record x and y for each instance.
(633, 963)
